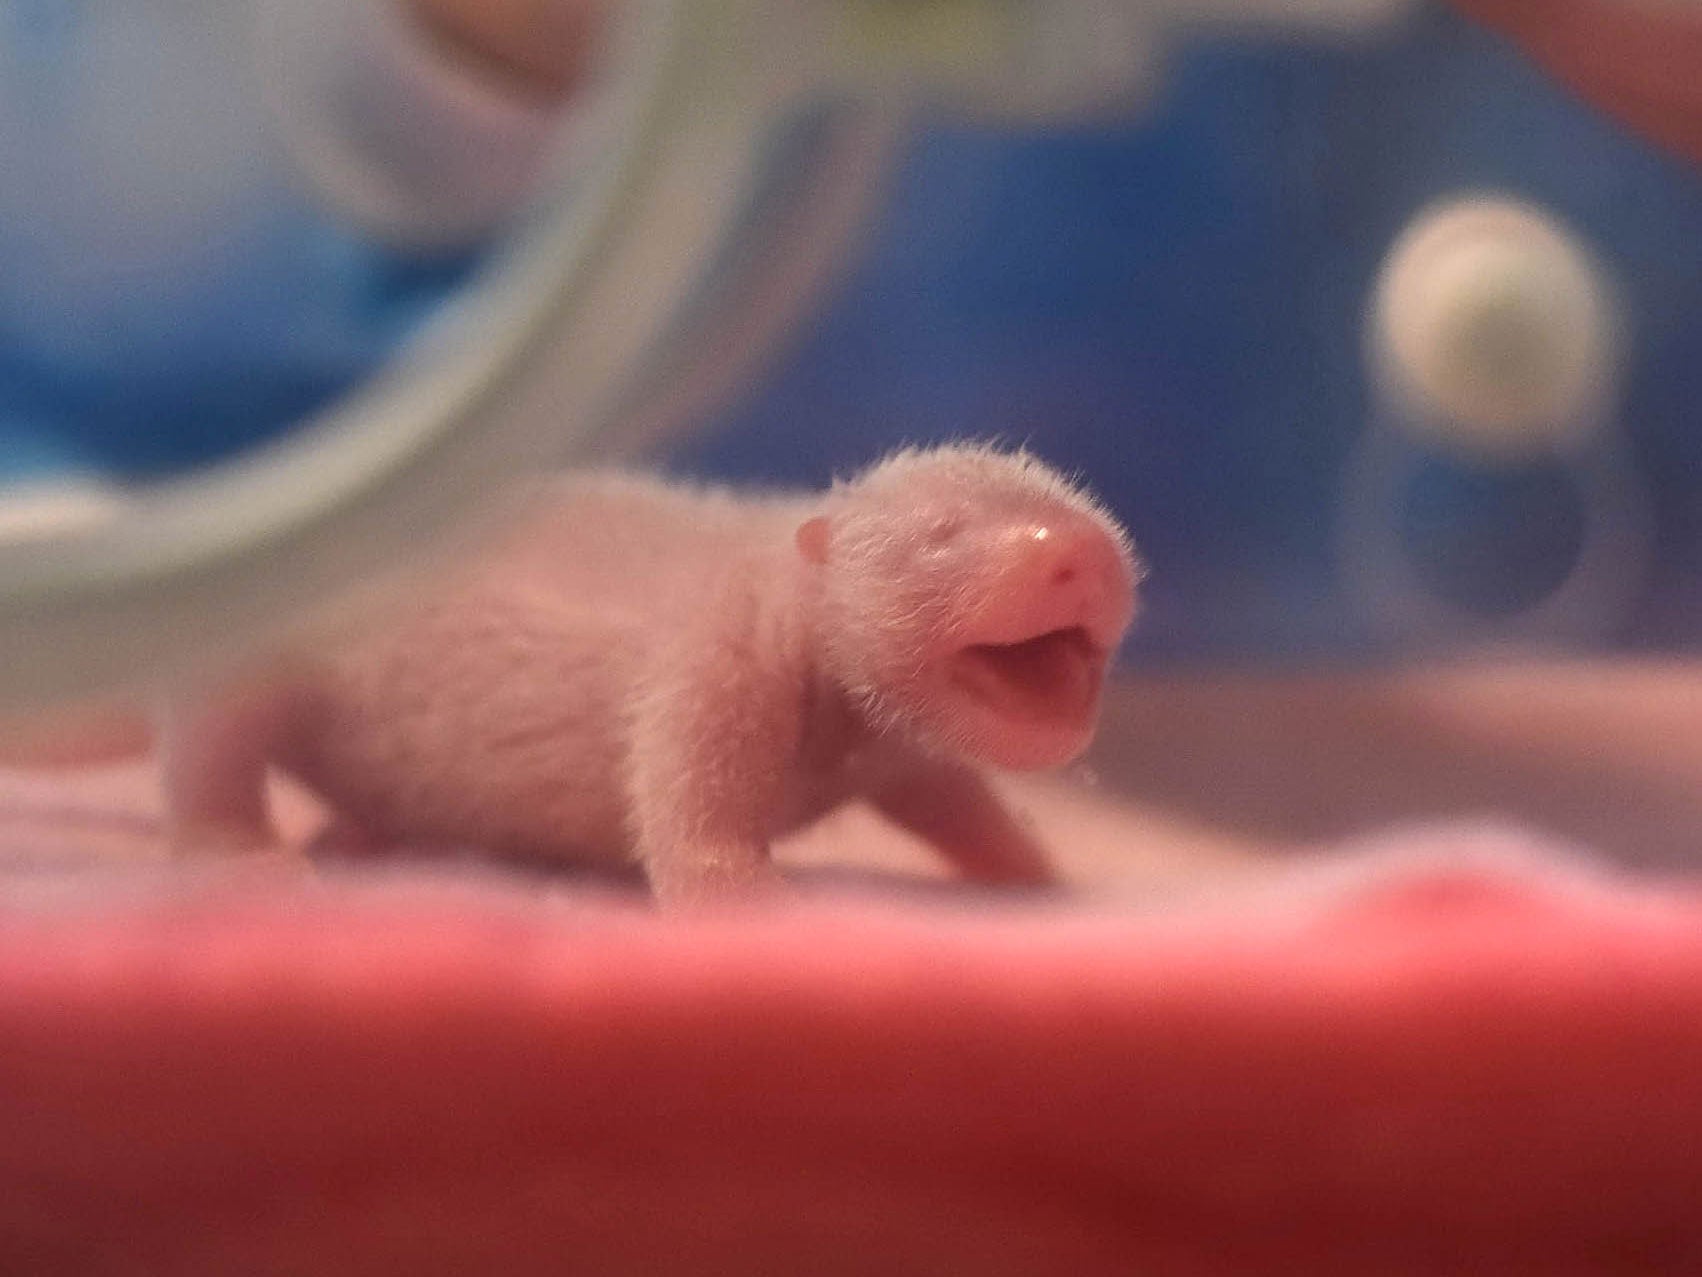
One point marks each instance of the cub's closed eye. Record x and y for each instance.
(943, 529)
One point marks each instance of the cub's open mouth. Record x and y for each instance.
(1054, 676)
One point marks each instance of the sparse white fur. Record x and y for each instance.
(676, 674)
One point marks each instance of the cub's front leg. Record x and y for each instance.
(954, 808)
(713, 749)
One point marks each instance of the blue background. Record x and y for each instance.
(1176, 310)
(1172, 307)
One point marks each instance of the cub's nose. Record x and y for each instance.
(1076, 574)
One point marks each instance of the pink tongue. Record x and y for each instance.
(1053, 676)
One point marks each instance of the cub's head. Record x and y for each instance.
(971, 599)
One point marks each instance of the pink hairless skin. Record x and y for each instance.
(677, 676)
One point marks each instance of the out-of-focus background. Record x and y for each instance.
(1174, 306)
(1177, 308)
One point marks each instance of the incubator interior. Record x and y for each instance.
(1132, 705)
(1379, 341)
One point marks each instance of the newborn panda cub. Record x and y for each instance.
(637, 670)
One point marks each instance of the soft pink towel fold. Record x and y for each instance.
(1433, 1071)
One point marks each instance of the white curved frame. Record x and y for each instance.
(573, 344)
(201, 568)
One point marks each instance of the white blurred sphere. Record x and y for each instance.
(1495, 327)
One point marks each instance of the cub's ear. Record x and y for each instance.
(812, 537)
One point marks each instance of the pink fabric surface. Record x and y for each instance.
(1467, 1070)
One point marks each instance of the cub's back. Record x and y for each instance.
(624, 543)
(491, 710)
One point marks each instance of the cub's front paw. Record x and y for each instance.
(712, 878)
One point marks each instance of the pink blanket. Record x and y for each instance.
(1433, 1067)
